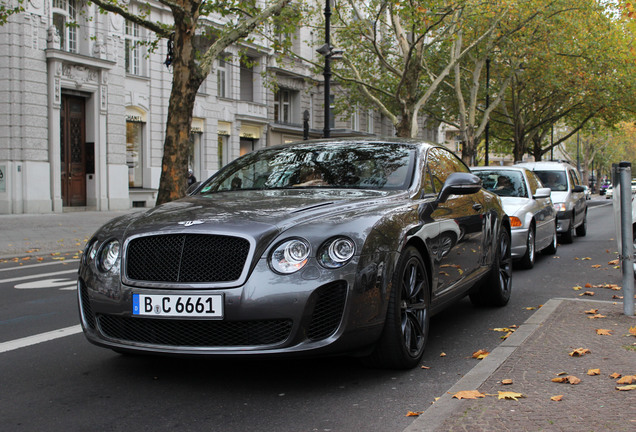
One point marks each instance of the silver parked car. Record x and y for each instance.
(528, 204)
(313, 248)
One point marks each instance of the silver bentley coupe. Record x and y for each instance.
(313, 248)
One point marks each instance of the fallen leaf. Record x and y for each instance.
(627, 387)
(627, 379)
(481, 354)
(632, 331)
(591, 311)
(557, 398)
(570, 379)
(506, 381)
(596, 266)
(586, 259)
(503, 329)
(509, 395)
(561, 373)
(442, 354)
(580, 352)
(577, 288)
(587, 293)
(468, 394)
(531, 308)
(603, 332)
(597, 316)
(593, 372)
(425, 367)
(588, 285)
(615, 375)
(613, 262)
(414, 414)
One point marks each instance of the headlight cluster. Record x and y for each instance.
(560, 207)
(104, 255)
(515, 222)
(292, 255)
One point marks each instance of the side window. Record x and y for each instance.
(440, 163)
(573, 179)
(534, 181)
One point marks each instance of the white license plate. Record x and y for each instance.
(209, 305)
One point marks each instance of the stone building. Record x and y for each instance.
(83, 108)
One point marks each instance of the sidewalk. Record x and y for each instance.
(531, 357)
(36, 235)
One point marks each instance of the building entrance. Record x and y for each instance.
(73, 150)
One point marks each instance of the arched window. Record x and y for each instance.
(64, 19)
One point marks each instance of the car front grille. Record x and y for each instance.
(328, 309)
(195, 333)
(186, 258)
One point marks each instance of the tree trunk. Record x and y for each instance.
(176, 148)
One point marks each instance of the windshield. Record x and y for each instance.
(323, 165)
(503, 183)
(555, 180)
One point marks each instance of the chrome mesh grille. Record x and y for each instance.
(186, 258)
(195, 333)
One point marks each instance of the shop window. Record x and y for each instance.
(134, 140)
(223, 77)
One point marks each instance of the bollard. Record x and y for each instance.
(627, 246)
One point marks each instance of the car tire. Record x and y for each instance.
(496, 288)
(568, 236)
(581, 230)
(401, 345)
(527, 261)
(552, 247)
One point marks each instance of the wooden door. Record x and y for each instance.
(73, 151)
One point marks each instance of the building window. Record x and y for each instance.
(355, 119)
(370, 124)
(133, 48)
(64, 20)
(282, 106)
(247, 80)
(134, 139)
(221, 78)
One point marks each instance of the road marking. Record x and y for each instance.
(62, 284)
(22, 267)
(42, 337)
(37, 276)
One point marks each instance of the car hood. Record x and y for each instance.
(251, 213)
(558, 196)
(514, 205)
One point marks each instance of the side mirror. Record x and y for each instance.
(192, 188)
(542, 193)
(459, 183)
(578, 189)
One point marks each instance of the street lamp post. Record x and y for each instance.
(325, 50)
(487, 105)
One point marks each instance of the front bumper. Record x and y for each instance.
(312, 312)
(519, 241)
(564, 220)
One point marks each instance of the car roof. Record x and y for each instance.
(546, 166)
(499, 168)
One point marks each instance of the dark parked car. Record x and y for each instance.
(313, 248)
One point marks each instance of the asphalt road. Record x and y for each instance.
(68, 384)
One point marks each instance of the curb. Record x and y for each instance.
(434, 417)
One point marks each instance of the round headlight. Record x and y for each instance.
(336, 252)
(91, 251)
(290, 256)
(108, 255)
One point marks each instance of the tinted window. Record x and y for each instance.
(555, 180)
(360, 166)
(503, 182)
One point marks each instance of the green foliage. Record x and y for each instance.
(8, 8)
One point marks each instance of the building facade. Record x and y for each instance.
(83, 108)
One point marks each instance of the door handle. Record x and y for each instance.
(477, 207)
